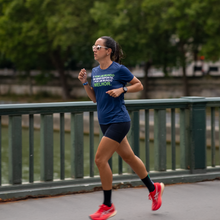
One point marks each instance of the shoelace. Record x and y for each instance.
(103, 207)
(153, 198)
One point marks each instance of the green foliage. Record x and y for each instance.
(211, 48)
(4, 62)
(139, 27)
(34, 28)
(39, 34)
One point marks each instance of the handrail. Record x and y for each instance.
(192, 131)
(66, 106)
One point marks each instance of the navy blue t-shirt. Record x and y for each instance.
(110, 109)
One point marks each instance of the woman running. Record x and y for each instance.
(108, 86)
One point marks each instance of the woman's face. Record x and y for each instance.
(99, 49)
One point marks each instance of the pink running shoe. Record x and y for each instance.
(104, 212)
(156, 195)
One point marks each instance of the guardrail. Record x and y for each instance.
(192, 130)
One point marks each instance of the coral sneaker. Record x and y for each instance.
(104, 212)
(155, 196)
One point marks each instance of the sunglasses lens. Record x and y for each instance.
(98, 47)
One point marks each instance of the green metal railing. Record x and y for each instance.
(192, 113)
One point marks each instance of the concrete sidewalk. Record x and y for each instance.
(180, 202)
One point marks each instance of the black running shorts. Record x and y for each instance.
(116, 131)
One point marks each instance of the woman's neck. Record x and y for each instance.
(104, 65)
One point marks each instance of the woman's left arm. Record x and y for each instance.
(135, 86)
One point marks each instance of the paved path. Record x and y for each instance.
(180, 202)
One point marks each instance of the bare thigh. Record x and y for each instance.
(105, 150)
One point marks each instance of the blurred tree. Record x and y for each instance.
(139, 28)
(211, 24)
(33, 32)
(162, 33)
(4, 62)
(187, 18)
(159, 33)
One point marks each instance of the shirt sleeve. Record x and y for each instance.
(125, 75)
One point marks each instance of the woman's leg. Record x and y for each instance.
(104, 152)
(155, 189)
(127, 154)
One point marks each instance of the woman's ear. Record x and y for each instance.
(109, 51)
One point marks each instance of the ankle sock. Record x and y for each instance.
(149, 183)
(107, 197)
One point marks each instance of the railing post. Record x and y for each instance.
(213, 136)
(129, 137)
(15, 150)
(184, 139)
(160, 139)
(46, 133)
(197, 134)
(173, 139)
(77, 169)
(133, 135)
(31, 148)
(91, 143)
(135, 127)
(62, 146)
(147, 140)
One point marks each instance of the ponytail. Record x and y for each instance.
(117, 53)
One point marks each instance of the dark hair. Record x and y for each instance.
(117, 53)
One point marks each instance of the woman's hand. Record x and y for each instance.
(135, 86)
(115, 92)
(82, 76)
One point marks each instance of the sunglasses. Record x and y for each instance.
(98, 47)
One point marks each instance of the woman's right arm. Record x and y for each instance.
(89, 90)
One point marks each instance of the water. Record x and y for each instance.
(25, 155)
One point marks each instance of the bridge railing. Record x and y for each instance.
(192, 128)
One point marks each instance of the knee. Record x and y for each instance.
(99, 161)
